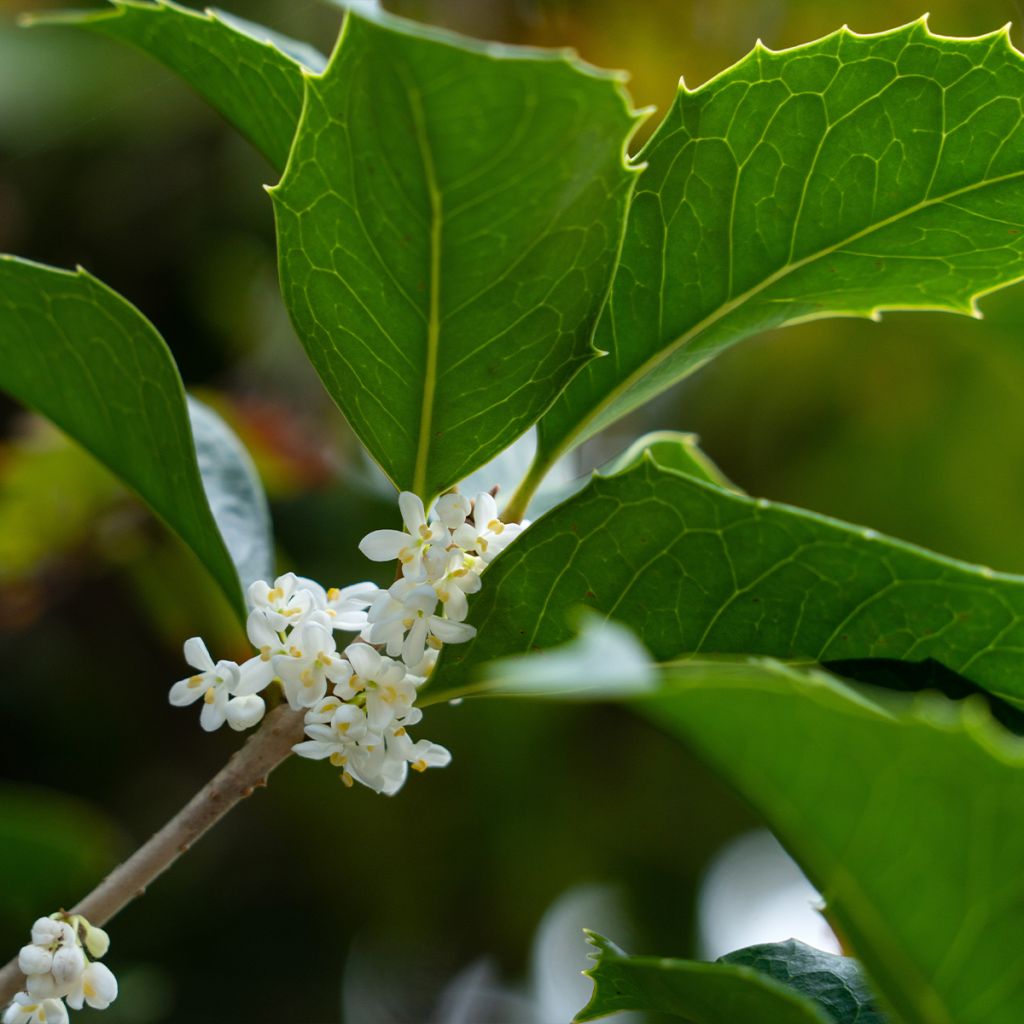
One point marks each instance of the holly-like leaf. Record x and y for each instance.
(250, 74)
(89, 361)
(695, 568)
(448, 225)
(904, 815)
(699, 993)
(848, 176)
(835, 983)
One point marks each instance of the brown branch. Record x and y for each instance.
(247, 770)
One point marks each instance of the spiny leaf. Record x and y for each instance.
(696, 992)
(448, 225)
(904, 816)
(85, 358)
(835, 983)
(250, 74)
(694, 568)
(848, 176)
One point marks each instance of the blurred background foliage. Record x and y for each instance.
(911, 426)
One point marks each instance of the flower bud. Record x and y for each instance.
(97, 941)
(45, 931)
(68, 964)
(42, 986)
(99, 986)
(35, 960)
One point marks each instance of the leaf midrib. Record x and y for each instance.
(434, 311)
(663, 354)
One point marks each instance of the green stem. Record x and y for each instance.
(517, 505)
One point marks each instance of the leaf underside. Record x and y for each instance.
(697, 569)
(447, 227)
(840, 178)
(76, 352)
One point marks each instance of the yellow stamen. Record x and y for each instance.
(195, 681)
(264, 654)
(338, 760)
(333, 594)
(347, 779)
(210, 696)
(419, 766)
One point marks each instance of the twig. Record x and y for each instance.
(247, 770)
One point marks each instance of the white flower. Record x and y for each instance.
(284, 605)
(460, 578)
(452, 509)
(421, 755)
(68, 964)
(488, 535)
(389, 694)
(258, 672)
(214, 683)
(47, 930)
(311, 662)
(346, 607)
(410, 546)
(406, 622)
(334, 736)
(96, 985)
(27, 1010)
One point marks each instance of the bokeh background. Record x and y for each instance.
(912, 426)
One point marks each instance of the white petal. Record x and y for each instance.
(412, 512)
(68, 964)
(415, 642)
(254, 675)
(183, 693)
(451, 632)
(365, 660)
(197, 655)
(484, 510)
(213, 714)
(383, 545)
(456, 607)
(45, 930)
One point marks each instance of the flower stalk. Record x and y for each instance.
(246, 771)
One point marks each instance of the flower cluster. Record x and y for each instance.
(62, 963)
(359, 701)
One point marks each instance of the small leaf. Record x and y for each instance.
(840, 178)
(670, 449)
(447, 226)
(250, 74)
(81, 355)
(234, 493)
(904, 815)
(696, 569)
(696, 992)
(835, 983)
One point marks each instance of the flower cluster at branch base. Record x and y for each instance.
(62, 963)
(359, 701)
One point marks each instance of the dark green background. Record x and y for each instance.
(912, 426)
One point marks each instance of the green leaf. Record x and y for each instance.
(81, 355)
(848, 176)
(251, 75)
(694, 568)
(670, 449)
(696, 992)
(448, 225)
(835, 983)
(234, 493)
(905, 816)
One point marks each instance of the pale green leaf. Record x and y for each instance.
(448, 225)
(89, 361)
(904, 815)
(844, 177)
(699, 993)
(250, 74)
(697, 569)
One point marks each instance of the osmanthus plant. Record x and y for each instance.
(467, 252)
